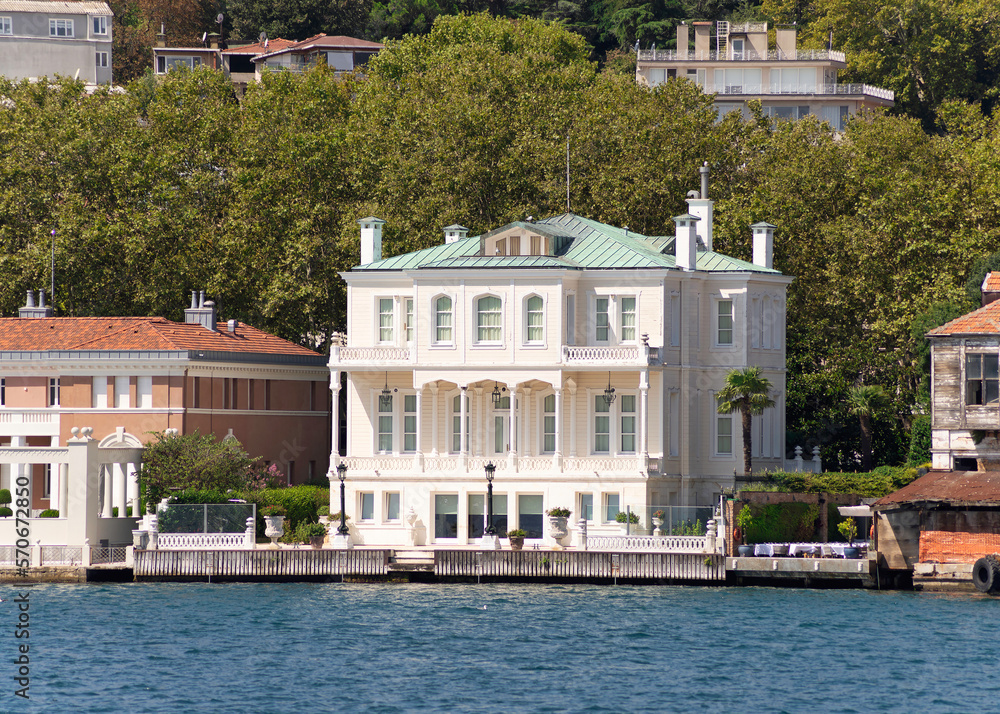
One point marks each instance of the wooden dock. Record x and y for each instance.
(263, 565)
(267, 565)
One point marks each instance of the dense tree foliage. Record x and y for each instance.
(175, 185)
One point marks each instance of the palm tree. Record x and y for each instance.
(749, 393)
(863, 401)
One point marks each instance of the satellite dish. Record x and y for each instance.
(263, 37)
(220, 18)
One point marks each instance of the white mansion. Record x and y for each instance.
(505, 347)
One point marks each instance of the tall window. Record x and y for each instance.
(385, 320)
(3, 392)
(603, 325)
(675, 320)
(725, 327)
(489, 319)
(100, 25)
(60, 28)
(549, 424)
(392, 506)
(536, 320)
(442, 320)
(409, 422)
(611, 506)
(408, 308)
(628, 423)
(5, 26)
(456, 421)
(368, 506)
(101, 59)
(627, 319)
(587, 506)
(982, 385)
(602, 425)
(54, 391)
(724, 433)
(385, 425)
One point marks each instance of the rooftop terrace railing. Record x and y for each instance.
(746, 56)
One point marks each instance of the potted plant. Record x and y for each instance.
(274, 519)
(744, 520)
(849, 529)
(658, 520)
(324, 515)
(49, 513)
(316, 533)
(5, 497)
(627, 519)
(557, 521)
(516, 538)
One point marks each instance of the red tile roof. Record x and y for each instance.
(953, 488)
(257, 48)
(991, 283)
(327, 42)
(984, 321)
(137, 333)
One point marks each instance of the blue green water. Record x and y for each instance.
(499, 648)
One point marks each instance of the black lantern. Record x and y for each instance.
(609, 393)
(342, 474)
(490, 470)
(385, 397)
(497, 394)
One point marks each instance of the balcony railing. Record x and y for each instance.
(391, 465)
(813, 89)
(610, 355)
(747, 56)
(369, 355)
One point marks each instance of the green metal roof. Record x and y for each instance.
(589, 244)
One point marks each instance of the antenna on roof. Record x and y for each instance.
(263, 37)
(204, 37)
(52, 274)
(567, 173)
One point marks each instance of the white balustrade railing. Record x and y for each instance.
(203, 540)
(369, 355)
(745, 56)
(28, 417)
(667, 544)
(618, 354)
(410, 463)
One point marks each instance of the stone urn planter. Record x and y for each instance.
(516, 538)
(745, 551)
(657, 524)
(558, 527)
(274, 528)
(317, 541)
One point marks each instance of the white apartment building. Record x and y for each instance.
(582, 360)
(46, 38)
(790, 82)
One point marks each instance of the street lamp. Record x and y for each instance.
(490, 470)
(342, 474)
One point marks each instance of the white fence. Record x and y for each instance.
(194, 541)
(667, 544)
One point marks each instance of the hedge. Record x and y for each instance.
(874, 484)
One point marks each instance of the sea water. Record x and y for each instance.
(337, 647)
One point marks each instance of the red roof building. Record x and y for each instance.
(129, 377)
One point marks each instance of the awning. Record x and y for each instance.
(865, 511)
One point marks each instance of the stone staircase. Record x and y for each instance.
(412, 561)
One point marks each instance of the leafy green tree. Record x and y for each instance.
(864, 402)
(192, 461)
(298, 19)
(748, 392)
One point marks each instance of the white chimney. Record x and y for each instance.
(371, 239)
(763, 244)
(686, 241)
(455, 233)
(702, 207)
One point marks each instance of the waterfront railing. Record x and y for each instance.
(579, 565)
(254, 564)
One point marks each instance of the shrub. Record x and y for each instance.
(5, 511)
(622, 516)
(49, 513)
(558, 512)
(301, 503)
(311, 530)
(920, 440)
(272, 511)
(5, 496)
(516, 533)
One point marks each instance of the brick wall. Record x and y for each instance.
(956, 547)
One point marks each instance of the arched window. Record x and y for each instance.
(535, 320)
(443, 320)
(489, 320)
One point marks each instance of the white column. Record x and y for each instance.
(557, 456)
(335, 411)
(644, 416)
(106, 470)
(463, 432)
(480, 425)
(132, 474)
(420, 430)
(63, 490)
(572, 422)
(120, 488)
(55, 488)
(525, 440)
(512, 425)
(434, 419)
